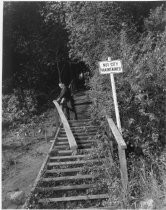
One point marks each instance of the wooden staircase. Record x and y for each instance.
(61, 184)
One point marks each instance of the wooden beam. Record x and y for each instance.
(122, 156)
(71, 139)
(118, 137)
(123, 170)
(74, 198)
(77, 162)
(65, 188)
(64, 178)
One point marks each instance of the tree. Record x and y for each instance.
(36, 47)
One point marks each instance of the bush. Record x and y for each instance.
(141, 96)
(140, 89)
(17, 107)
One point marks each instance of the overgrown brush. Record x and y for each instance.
(141, 98)
(18, 107)
(146, 177)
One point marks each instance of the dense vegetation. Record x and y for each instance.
(43, 37)
(113, 30)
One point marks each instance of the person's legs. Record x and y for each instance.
(67, 113)
(72, 108)
(75, 113)
(65, 109)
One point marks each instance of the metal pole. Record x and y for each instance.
(115, 100)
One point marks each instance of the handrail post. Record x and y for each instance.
(122, 157)
(123, 171)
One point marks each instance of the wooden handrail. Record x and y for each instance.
(70, 136)
(121, 152)
(118, 137)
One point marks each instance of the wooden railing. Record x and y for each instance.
(121, 152)
(61, 119)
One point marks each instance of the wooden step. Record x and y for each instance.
(73, 121)
(65, 188)
(83, 137)
(85, 146)
(61, 138)
(61, 147)
(64, 178)
(68, 157)
(88, 128)
(79, 124)
(74, 198)
(84, 141)
(72, 162)
(62, 143)
(69, 152)
(64, 170)
(80, 132)
(90, 137)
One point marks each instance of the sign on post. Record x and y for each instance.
(108, 67)
(112, 67)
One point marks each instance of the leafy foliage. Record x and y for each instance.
(41, 40)
(110, 31)
(35, 48)
(17, 109)
(141, 87)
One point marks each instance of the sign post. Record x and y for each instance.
(111, 67)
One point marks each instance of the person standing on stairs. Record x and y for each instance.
(66, 100)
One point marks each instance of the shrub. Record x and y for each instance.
(140, 89)
(17, 107)
(141, 98)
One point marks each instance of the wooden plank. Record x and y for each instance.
(123, 169)
(74, 198)
(73, 162)
(71, 139)
(84, 141)
(61, 147)
(81, 132)
(62, 143)
(64, 170)
(85, 127)
(62, 138)
(68, 157)
(118, 137)
(64, 178)
(65, 188)
(122, 157)
(79, 120)
(83, 137)
(85, 146)
(63, 152)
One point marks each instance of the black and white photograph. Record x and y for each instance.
(83, 105)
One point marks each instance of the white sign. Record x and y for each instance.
(107, 67)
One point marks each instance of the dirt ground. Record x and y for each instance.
(22, 159)
(23, 174)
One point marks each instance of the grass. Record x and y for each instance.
(147, 179)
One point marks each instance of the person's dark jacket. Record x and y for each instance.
(66, 94)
